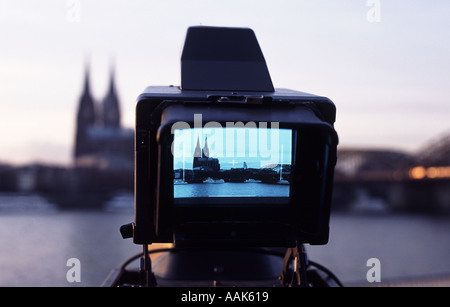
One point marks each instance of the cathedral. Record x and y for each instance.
(100, 141)
(202, 160)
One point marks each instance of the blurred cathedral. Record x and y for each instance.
(101, 142)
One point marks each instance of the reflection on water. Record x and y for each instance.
(12, 202)
(37, 240)
(406, 245)
(121, 202)
(36, 244)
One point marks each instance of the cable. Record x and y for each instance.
(327, 271)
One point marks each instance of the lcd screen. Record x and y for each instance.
(232, 165)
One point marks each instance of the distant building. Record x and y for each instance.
(100, 141)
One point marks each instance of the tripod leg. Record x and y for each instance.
(297, 276)
(147, 279)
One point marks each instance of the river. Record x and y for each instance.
(231, 189)
(37, 239)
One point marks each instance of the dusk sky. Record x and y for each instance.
(385, 64)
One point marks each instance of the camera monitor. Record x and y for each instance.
(217, 166)
(262, 180)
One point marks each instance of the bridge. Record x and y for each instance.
(401, 181)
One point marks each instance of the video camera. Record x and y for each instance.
(227, 160)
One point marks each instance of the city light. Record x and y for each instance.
(433, 172)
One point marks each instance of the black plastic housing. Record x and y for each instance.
(305, 219)
(219, 99)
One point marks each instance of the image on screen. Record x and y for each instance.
(214, 166)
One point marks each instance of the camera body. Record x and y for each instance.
(228, 160)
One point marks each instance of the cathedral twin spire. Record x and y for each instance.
(111, 111)
(202, 158)
(201, 153)
(107, 114)
(86, 107)
(91, 114)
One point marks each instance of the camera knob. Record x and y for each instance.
(127, 230)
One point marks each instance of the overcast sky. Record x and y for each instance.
(387, 71)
